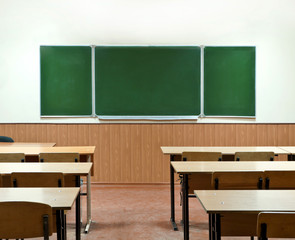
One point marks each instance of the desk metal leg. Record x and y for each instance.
(210, 226)
(185, 207)
(63, 225)
(217, 227)
(58, 225)
(172, 219)
(78, 224)
(88, 200)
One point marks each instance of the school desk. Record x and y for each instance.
(186, 168)
(77, 169)
(87, 151)
(291, 152)
(59, 199)
(218, 202)
(176, 152)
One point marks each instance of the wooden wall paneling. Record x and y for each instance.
(104, 156)
(8, 130)
(166, 133)
(62, 137)
(73, 139)
(229, 134)
(115, 158)
(148, 158)
(262, 135)
(209, 134)
(188, 131)
(157, 163)
(199, 135)
(136, 161)
(41, 133)
(178, 135)
(267, 135)
(20, 133)
(291, 136)
(219, 135)
(52, 134)
(272, 130)
(241, 135)
(283, 134)
(251, 134)
(30, 132)
(125, 152)
(2, 129)
(246, 135)
(94, 140)
(83, 134)
(130, 153)
(283, 139)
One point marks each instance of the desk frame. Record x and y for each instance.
(224, 167)
(69, 168)
(177, 151)
(27, 194)
(280, 203)
(88, 151)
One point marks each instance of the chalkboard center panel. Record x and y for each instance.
(153, 81)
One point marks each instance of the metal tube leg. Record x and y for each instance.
(217, 226)
(185, 207)
(63, 224)
(58, 225)
(213, 226)
(210, 226)
(88, 222)
(78, 224)
(172, 219)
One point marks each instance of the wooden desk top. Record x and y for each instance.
(25, 144)
(33, 151)
(221, 201)
(209, 167)
(289, 149)
(223, 150)
(57, 198)
(81, 169)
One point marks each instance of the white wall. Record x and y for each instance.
(267, 24)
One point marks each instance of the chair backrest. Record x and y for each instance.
(12, 157)
(201, 156)
(237, 180)
(59, 157)
(254, 156)
(275, 225)
(279, 179)
(38, 179)
(200, 181)
(6, 139)
(25, 220)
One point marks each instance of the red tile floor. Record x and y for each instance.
(122, 212)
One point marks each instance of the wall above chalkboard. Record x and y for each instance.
(147, 82)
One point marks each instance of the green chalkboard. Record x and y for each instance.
(147, 81)
(65, 81)
(229, 81)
